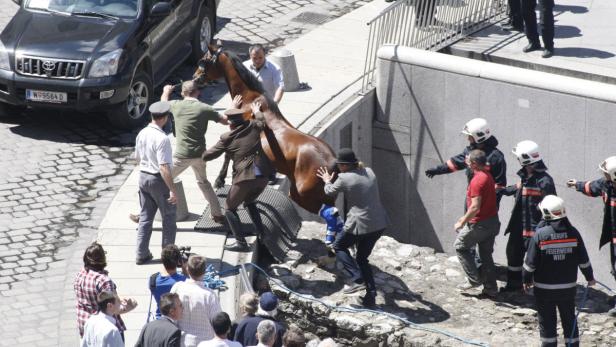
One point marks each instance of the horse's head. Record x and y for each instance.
(208, 68)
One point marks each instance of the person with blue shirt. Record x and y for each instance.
(161, 282)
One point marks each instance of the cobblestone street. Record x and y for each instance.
(62, 170)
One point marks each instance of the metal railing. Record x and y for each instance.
(427, 24)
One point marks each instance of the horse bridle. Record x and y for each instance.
(205, 61)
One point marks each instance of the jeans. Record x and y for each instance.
(153, 195)
(481, 234)
(359, 268)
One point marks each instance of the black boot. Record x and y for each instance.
(240, 244)
(255, 216)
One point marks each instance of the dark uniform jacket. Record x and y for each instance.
(243, 145)
(160, 333)
(246, 331)
(606, 190)
(496, 163)
(528, 194)
(553, 257)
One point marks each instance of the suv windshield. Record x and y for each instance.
(115, 8)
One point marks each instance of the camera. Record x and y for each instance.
(184, 254)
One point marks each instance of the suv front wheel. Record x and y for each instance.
(204, 31)
(133, 112)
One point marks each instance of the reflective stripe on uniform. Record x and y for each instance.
(528, 233)
(451, 166)
(526, 191)
(564, 243)
(613, 202)
(614, 240)
(514, 268)
(548, 339)
(555, 286)
(585, 265)
(573, 340)
(528, 268)
(587, 188)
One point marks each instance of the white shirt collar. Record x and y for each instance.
(171, 320)
(191, 98)
(108, 317)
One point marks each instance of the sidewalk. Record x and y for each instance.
(582, 44)
(329, 59)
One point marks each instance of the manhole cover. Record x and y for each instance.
(311, 18)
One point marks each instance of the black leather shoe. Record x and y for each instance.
(531, 47)
(238, 247)
(547, 53)
(144, 260)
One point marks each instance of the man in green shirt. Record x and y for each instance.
(191, 121)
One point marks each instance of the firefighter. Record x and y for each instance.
(535, 183)
(604, 187)
(479, 137)
(554, 254)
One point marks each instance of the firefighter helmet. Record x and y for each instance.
(552, 208)
(477, 128)
(527, 152)
(609, 167)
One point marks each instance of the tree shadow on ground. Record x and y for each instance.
(566, 32)
(580, 52)
(570, 8)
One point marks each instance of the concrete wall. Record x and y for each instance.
(423, 101)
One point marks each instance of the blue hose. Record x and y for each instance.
(349, 309)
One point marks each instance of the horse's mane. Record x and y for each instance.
(252, 82)
(249, 79)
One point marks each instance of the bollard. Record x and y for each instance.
(181, 207)
(285, 59)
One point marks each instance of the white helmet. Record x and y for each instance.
(477, 128)
(527, 152)
(552, 208)
(609, 167)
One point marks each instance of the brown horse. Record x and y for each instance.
(293, 153)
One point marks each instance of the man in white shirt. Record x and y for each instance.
(266, 333)
(100, 329)
(221, 324)
(268, 73)
(156, 189)
(200, 304)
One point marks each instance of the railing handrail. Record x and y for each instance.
(426, 24)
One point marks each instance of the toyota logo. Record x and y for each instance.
(49, 65)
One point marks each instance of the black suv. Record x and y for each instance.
(99, 55)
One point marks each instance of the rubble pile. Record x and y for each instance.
(417, 284)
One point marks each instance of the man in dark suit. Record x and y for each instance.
(251, 170)
(163, 332)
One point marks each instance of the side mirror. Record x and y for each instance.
(18, 2)
(159, 10)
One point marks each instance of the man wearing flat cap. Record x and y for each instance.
(251, 170)
(365, 221)
(246, 332)
(156, 189)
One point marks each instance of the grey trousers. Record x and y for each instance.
(153, 195)
(481, 234)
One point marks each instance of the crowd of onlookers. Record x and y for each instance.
(188, 313)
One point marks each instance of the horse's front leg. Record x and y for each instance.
(220, 180)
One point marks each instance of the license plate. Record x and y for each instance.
(46, 96)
